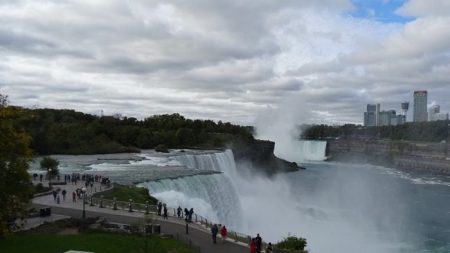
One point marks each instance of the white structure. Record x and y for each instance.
(434, 113)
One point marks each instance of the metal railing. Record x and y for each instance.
(147, 209)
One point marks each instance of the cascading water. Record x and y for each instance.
(212, 196)
(301, 150)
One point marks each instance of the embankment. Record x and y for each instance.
(404, 155)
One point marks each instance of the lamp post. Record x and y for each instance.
(50, 178)
(83, 190)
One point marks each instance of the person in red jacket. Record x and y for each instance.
(223, 233)
(253, 246)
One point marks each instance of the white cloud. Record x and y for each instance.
(224, 60)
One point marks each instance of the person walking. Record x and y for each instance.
(64, 194)
(214, 231)
(54, 195)
(223, 233)
(74, 197)
(253, 246)
(258, 242)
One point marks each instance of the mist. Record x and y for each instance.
(339, 211)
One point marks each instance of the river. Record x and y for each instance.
(337, 207)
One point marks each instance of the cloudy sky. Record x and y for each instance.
(224, 59)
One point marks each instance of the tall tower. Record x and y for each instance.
(377, 115)
(420, 106)
(405, 107)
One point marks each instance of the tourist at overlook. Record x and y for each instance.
(54, 195)
(253, 246)
(214, 231)
(223, 233)
(179, 210)
(269, 248)
(258, 241)
(159, 208)
(186, 214)
(191, 212)
(165, 211)
(64, 194)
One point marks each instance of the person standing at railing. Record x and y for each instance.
(191, 212)
(186, 214)
(253, 246)
(165, 211)
(223, 233)
(269, 248)
(258, 241)
(179, 210)
(159, 208)
(214, 231)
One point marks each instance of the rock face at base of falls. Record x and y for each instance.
(259, 155)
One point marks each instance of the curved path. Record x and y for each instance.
(198, 236)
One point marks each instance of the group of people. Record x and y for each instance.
(256, 245)
(215, 230)
(162, 207)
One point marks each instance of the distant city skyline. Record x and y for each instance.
(422, 112)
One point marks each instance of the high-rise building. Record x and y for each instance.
(369, 115)
(435, 114)
(405, 107)
(377, 115)
(388, 118)
(420, 106)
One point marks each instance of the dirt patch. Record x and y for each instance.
(69, 231)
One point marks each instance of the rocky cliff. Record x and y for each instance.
(404, 155)
(259, 155)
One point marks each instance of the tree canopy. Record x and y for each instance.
(433, 131)
(71, 132)
(15, 186)
(51, 165)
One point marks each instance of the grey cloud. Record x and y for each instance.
(420, 8)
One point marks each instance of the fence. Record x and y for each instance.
(147, 209)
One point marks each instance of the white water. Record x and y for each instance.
(212, 196)
(332, 216)
(301, 151)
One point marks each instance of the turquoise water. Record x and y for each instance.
(408, 212)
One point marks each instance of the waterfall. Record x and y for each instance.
(302, 150)
(212, 196)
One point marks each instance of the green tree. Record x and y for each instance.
(50, 165)
(15, 186)
(292, 244)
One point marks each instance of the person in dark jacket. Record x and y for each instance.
(165, 211)
(186, 214)
(179, 210)
(214, 231)
(159, 208)
(191, 212)
(258, 242)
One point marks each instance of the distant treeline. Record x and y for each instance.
(70, 132)
(433, 131)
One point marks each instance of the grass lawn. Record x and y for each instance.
(124, 193)
(93, 242)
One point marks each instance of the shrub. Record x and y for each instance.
(292, 243)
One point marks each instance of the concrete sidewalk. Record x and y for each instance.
(199, 235)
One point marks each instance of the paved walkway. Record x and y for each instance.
(198, 235)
